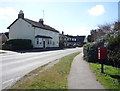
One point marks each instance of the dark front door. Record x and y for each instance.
(43, 44)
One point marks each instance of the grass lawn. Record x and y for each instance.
(52, 78)
(110, 79)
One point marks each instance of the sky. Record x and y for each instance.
(72, 17)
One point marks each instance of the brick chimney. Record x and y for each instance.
(21, 14)
(41, 21)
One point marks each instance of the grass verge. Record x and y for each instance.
(52, 78)
(110, 79)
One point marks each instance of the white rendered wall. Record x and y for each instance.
(54, 35)
(21, 30)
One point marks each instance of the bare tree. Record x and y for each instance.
(101, 31)
(106, 28)
(117, 26)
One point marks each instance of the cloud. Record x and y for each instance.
(97, 10)
(8, 14)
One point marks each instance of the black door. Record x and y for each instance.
(43, 44)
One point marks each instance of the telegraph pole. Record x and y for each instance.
(43, 15)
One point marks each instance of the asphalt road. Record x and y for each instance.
(16, 65)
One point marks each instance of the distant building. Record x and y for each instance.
(41, 35)
(71, 41)
(85, 40)
(80, 40)
(89, 38)
(62, 40)
(3, 38)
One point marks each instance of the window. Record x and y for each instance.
(53, 43)
(72, 39)
(48, 41)
(40, 42)
(37, 41)
(75, 39)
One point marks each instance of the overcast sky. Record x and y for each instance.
(74, 18)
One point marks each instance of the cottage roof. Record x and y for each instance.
(80, 38)
(36, 24)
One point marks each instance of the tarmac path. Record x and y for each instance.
(81, 77)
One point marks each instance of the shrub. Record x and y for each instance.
(91, 51)
(5, 46)
(114, 50)
(18, 44)
(112, 42)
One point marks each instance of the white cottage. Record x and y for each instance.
(42, 36)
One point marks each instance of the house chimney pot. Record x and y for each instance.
(62, 32)
(41, 21)
(21, 14)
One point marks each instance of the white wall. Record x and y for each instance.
(43, 32)
(21, 30)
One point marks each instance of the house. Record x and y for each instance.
(3, 38)
(70, 41)
(75, 41)
(7, 34)
(41, 35)
(62, 40)
(85, 40)
(80, 40)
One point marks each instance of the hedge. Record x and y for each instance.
(90, 51)
(114, 50)
(17, 44)
(112, 42)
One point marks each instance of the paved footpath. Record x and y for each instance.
(81, 77)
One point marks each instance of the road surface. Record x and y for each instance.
(16, 65)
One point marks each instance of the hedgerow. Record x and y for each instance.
(112, 42)
(17, 44)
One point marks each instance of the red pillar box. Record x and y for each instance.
(102, 52)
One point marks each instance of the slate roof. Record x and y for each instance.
(36, 24)
(80, 38)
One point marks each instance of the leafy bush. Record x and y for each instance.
(91, 51)
(112, 42)
(114, 50)
(18, 44)
(5, 46)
